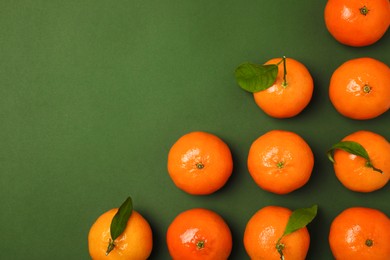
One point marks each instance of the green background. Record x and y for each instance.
(94, 93)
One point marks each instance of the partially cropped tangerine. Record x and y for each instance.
(135, 243)
(352, 170)
(263, 231)
(199, 233)
(360, 233)
(280, 161)
(357, 23)
(200, 163)
(286, 98)
(359, 88)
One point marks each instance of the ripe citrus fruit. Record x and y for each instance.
(263, 231)
(359, 88)
(134, 243)
(360, 233)
(354, 172)
(286, 99)
(200, 163)
(199, 234)
(357, 23)
(280, 161)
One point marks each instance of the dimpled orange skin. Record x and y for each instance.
(351, 170)
(135, 243)
(280, 161)
(351, 229)
(347, 88)
(264, 229)
(200, 148)
(349, 26)
(284, 102)
(199, 234)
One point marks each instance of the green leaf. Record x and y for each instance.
(253, 77)
(119, 221)
(353, 148)
(300, 218)
(350, 147)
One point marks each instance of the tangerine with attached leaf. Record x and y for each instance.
(359, 88)
(280, 161)
(262, 233)
(134, 243)
(355, 172)
(199, 234)
(357, 23)
(200, 163)
(290, 93)
(360, 233)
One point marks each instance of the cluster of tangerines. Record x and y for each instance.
(279, 161)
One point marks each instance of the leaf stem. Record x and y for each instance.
(284, 84)
(370, 165)
(110, 247)
(285, 72)
(279, 248)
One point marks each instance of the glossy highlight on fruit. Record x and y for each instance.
(199, 233)
(263, 231)
(200, 163)
(135, 243)
(280, 161)
(360, 233)
(352, 170)
(289, 94)
(359, 88)
(357, 23)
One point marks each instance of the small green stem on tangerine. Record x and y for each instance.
(366, 89)
(200, 244)
(369, 242)
(280, 165)
(284, 84)
(200, 165)
(279, 248)
(110, 247)
(364, 10)
(285, 72)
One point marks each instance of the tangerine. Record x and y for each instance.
(357, 23)
(360, 233)
(262, 233)
(359, 88)
(354, 172)
(280, 161)
(134, 243)
(199, 234)
(287, 97)
(200, 163)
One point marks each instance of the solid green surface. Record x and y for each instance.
(94, 93)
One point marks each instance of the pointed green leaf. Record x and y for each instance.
(253, 77)
(119, 221)
(353, 148)
(350, 147)
(300, 218)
